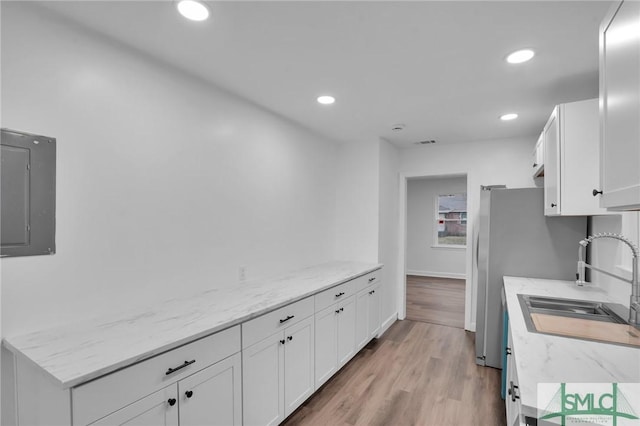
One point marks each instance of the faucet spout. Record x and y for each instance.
(634, 302)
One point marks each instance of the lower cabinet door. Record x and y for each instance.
(299, 364)
(326, 347)
(346, 331)
(263, 382)
(362, 318)
(374, 311)
(212, 396)
(158, 409)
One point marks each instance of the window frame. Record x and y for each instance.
(463, 219)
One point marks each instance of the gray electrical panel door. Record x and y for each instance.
(27, 194)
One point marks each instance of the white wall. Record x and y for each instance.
(423, 257)
(485, 163)
(357, 198)
(388, 231)
(165, 185)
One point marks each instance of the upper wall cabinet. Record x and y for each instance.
(620, 107)
(571, 160)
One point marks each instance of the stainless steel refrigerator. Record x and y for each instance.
(515, 238)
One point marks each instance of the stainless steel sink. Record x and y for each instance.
(584, 309)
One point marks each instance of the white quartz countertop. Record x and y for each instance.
(543, 358)
(82, 351)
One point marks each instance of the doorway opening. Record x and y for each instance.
(434, 257)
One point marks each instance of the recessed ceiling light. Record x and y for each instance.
(192, 9)
(510, 116)
(326, 100)
(520, 56)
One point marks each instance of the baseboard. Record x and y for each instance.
(437, 274)
(387, 323)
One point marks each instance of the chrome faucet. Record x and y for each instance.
(634, 302)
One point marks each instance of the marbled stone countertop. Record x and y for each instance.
(543, 358)
(82, 351)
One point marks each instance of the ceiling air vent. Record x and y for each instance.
(426, 142)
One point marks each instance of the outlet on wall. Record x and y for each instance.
(242, 273)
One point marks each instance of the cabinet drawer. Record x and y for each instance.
(109, 393)
(258, 328)
(368, 280)
(338, 293)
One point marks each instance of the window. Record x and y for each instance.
(451, 222)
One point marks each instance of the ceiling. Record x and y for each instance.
(437, 67)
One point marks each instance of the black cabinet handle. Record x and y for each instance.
(512, 392)
(340, 294)
(507, 351)
(341, 309)
(172, 401)
(337, 311)
(282, 341)
(553, 204)
(372, 291)
(535, 164)
(180, 367)
(596, 192)
(189, 393)
(287, 318)
(372, 279)
(289, 338)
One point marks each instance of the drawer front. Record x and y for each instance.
(259, 328)
(336, 294)
(109, 393)
(368, 280)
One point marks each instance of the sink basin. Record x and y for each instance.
(580, 319)
(584, 309)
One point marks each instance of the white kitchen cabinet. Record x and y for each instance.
(368, 315)
(571, 160)
(160, 408)
(346, 330)
(538, 157)
(620, 107)
(277, 373)
(212, 396)
(335, 338)
(512, 397)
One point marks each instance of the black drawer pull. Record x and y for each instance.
(189, 394)
(596, 192)
(372, 279)
(341, 309)
(282, 341)
(289, 338)
(340, 294)
(287, 318)
(535, 164)
(337, 311)
(372, 291)
(173, 370)
(172, 401)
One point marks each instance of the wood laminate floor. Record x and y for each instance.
(436, 300)
(415, 374)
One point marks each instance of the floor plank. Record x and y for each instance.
(436, 300)
(416, 374)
